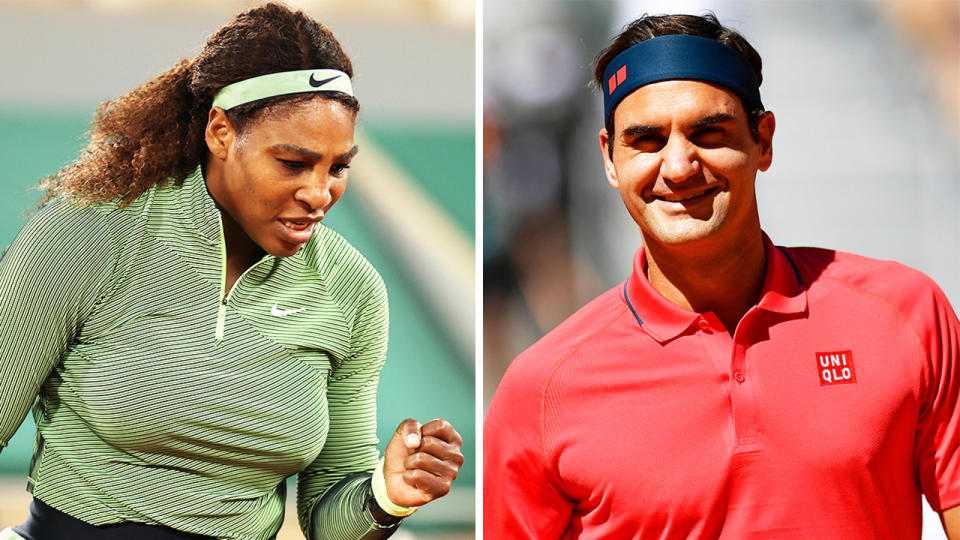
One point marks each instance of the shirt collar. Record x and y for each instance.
(782, 292)
(783, 287)
(196, 203)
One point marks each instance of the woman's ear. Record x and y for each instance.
(219, 134)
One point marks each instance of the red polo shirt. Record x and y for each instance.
(826, 415)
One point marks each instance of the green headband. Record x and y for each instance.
(278, 84)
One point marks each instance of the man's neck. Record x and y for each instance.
(725, 278)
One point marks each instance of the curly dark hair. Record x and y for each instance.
(707, 25)
(155, 133)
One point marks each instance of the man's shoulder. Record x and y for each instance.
(588, 325)
(906, 288)
(518, 396)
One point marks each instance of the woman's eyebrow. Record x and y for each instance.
(347, 156)
(306, 152)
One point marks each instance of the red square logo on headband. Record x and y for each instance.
(617, 79)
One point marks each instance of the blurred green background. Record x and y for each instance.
(430, 141)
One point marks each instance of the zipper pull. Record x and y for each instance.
(221, 319)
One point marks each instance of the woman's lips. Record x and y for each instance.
(296, 232)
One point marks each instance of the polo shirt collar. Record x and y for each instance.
(663, 320)
(195, 202)
(659, 317)
(783, 288)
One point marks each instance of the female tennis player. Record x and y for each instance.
(188, 331)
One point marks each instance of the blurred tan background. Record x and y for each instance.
(866, 153)
(867, 149)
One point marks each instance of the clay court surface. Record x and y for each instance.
(14, 501)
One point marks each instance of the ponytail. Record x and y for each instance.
(155, 133)
(137, 140)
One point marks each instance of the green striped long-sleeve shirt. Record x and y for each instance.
(160, 399)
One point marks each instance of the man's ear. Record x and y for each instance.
(220, 135)
(765, 129)
(608, 167)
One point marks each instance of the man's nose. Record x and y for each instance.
(679, 160)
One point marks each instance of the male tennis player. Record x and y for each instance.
(729, 388)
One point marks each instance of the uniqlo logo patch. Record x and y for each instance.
(836, 368)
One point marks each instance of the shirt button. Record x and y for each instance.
(703, 324)
(738, 376)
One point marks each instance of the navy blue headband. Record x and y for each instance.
(678, 56)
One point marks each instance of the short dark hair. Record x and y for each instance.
(706, 25)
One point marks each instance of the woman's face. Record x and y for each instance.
(280, 176)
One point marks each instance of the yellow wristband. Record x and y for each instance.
(379, 484)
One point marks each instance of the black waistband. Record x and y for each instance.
(48, 523)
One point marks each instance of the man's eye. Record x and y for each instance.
(339, 170)
(648, 143)
(711, 135)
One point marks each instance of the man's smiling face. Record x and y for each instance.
(685, 162)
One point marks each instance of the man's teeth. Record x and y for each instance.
(678, 198)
